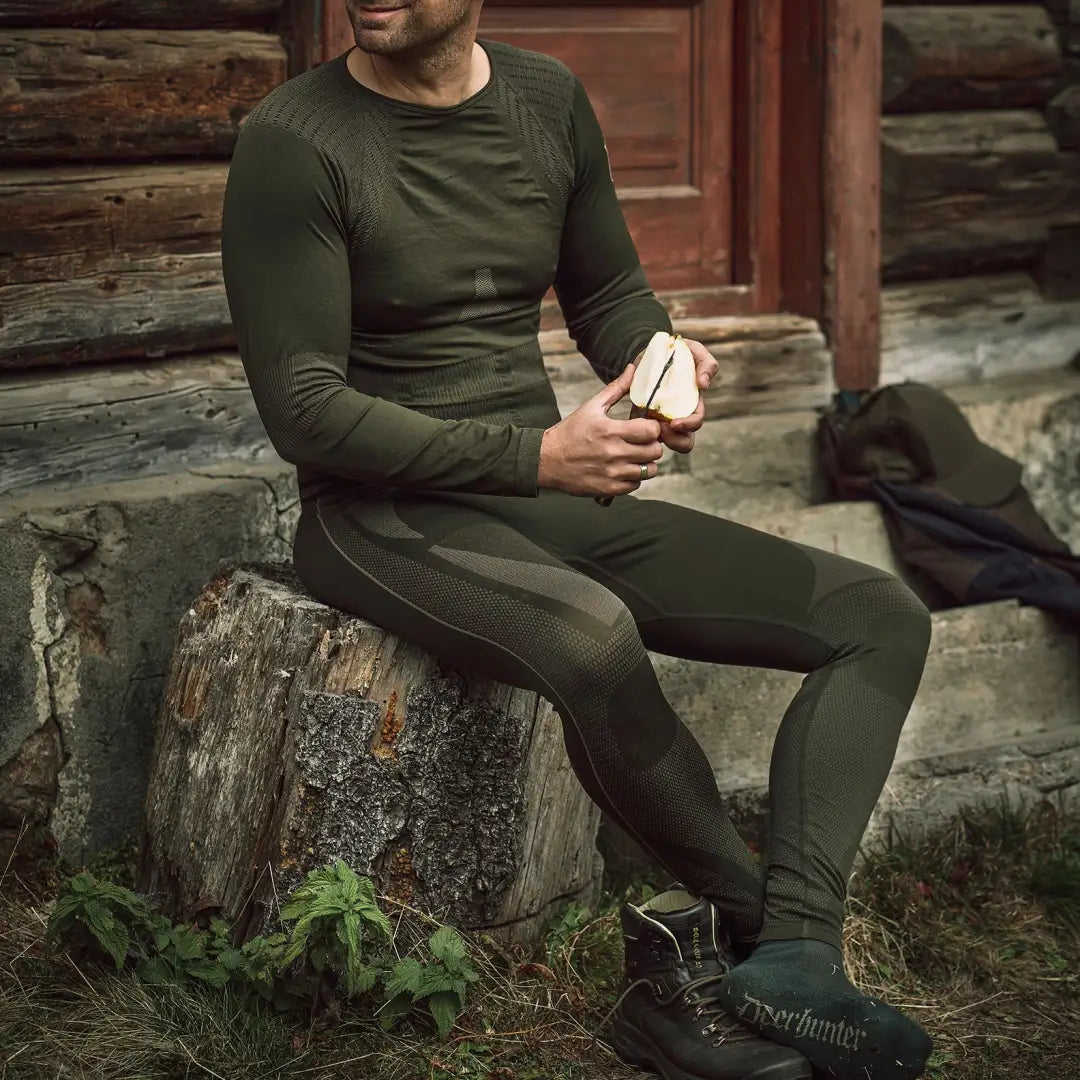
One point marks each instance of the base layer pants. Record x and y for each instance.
(562, 596)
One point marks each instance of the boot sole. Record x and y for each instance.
(636, 1048)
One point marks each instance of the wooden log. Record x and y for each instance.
(165, 304)
(1063, 116)
(970, 191)
(767, 363)
(124, 421)
(292, 734)
(130, 93)
(196, 14)
(66, 222)
(966, 330)
(97, 263)
(968, 57)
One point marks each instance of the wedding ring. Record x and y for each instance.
(644, 471)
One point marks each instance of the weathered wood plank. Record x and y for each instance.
(66, 222)
(451, 791)
(164, 304)
(970, 191)
(966, 330)
(105, 262)
(1063, 116)
(767, 363)
(954, 57)
(141, 13)
(135, 93)
(124, 421)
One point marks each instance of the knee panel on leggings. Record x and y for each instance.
(883, 622)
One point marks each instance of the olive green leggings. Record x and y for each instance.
(562, 596)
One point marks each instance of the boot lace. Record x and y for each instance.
(721, 1023)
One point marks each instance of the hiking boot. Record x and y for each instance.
(668, 1019)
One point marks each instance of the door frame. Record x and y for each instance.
(807, 165)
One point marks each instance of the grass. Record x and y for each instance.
(975, 931)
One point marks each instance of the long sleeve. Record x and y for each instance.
(611, 313)
(286, 264)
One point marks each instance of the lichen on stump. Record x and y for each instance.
(292, 734)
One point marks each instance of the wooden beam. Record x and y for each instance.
(98, 262)
(968, 57)
(970, 192)
(802, 258)
(79, 94)
(97, 14)
(966, 330)
(757, 149)
(852, 183)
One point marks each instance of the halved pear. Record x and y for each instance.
(678, 393)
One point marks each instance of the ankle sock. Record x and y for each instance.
(796, 993)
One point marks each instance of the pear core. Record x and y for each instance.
(677, 396)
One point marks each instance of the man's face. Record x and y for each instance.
(387, 27)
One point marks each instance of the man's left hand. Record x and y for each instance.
(678, 435)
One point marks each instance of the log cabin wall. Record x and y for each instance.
(117, 120)
(980, 189)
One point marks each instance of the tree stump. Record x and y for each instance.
(292, 734)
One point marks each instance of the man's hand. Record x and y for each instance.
(678, 435)
(589, 453)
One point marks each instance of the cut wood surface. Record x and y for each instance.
(120, 422)
(141, 13)
(292, 734)
(972, 190)
(1063, 116)
(970, 329)
(767, 363)
(968, 57)
(71, 94)
(103, 262)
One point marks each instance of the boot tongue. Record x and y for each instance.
(694, 928)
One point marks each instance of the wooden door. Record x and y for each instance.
(674, 86)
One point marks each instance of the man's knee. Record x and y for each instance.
(879, 605)
(593, 656)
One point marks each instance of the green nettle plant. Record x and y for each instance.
(341, 940)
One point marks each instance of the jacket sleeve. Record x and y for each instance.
(611, 313)
(286, 265)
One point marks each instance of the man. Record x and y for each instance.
(392, 220)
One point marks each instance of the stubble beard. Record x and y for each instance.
(419, 33)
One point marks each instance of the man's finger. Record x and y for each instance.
(615, 391)
(641, 430)
(706, 364)
(693, 421)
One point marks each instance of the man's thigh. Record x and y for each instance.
(699, 585)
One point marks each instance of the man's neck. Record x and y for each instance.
(443, 80)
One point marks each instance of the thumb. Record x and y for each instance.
(617, 390)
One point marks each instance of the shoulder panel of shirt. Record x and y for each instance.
(322, 108)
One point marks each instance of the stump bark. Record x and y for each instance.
(292, 734)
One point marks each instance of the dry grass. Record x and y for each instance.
(976, 932)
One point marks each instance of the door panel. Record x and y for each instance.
(660, 77)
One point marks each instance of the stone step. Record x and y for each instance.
(748, 468)
(923, 794)
(995, 671)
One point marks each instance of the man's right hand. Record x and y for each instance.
(589, 453)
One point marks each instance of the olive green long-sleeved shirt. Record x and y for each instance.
(385, 262)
